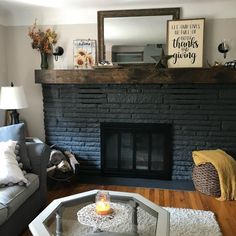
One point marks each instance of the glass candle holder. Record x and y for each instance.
(103, 203)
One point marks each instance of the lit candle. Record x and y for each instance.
(103, 206)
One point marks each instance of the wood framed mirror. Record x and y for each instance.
(123, 34)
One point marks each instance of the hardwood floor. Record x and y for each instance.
(225, 211)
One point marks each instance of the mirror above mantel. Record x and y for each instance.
(133, 36)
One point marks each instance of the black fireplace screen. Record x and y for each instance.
(136, 150)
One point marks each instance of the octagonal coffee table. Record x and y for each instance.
(76, 215)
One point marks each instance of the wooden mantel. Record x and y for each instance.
(137, 74)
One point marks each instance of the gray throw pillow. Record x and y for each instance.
(17, 133)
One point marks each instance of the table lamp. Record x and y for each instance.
(13, 98)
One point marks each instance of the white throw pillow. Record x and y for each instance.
(10, 172)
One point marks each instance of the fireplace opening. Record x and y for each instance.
(136, 150)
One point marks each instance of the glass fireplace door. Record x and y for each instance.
(136, 150)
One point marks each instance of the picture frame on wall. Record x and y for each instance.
(84, 53)
(185, 40)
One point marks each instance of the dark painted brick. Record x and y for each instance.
(195, 122)
(217, 107)
(198, 127)
(228, 94)
(86, 139)
(141, 106)
(87, 163)
(224, 133)
(203, 117)
(138, 111)
(229, 125)
(87, 154)
(184, 107)
(114, 116)
(134, 98)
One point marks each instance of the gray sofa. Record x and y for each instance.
(19, 205)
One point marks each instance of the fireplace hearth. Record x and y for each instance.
(136, 150)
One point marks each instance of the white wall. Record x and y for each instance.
(22, 60)
(3, 67)
(217, 30)
(18, 13)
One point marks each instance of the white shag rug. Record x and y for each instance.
(188, 222)
(183, 222)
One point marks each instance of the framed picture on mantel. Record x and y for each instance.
(185, 42)
(84, 53)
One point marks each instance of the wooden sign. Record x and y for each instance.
(185, 42)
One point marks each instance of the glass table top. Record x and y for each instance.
(131, 215)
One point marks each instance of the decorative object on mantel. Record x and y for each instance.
(84, 52)
(105, 63)
(162, 61)
(132, 27)
(44, 61)
(223, 48)
(185, 42)
(231, 64)
(43, 41)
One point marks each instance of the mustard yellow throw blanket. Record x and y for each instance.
(226, 168)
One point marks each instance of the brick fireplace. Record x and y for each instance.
(202, 116)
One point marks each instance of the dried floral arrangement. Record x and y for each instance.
(43, 41)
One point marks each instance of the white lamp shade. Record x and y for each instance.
(12, 98)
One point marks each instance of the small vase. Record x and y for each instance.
(44, 61)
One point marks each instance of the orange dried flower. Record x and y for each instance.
(42, 41)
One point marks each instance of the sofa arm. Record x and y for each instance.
(39, 154)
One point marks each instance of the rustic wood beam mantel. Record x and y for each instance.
(137, 75)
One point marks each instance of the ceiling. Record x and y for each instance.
(23, 12)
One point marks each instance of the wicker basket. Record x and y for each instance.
(206, 179)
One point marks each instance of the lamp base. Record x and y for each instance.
(14, 117)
